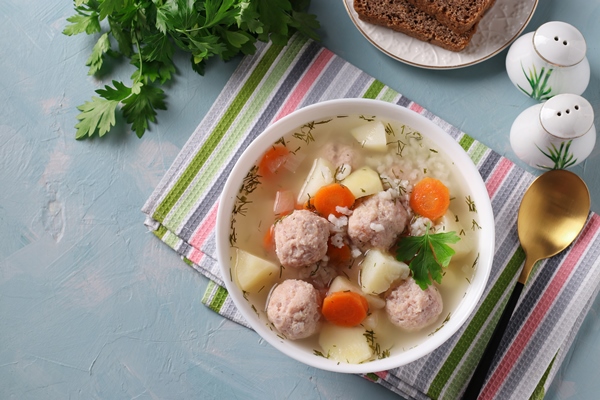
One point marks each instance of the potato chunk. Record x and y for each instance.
(363, 182)
(379, 270)
(320, 174)
(467, 236)
(345, 344)
(371, 136)
(252, 272)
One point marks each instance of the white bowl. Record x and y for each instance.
(389, 112)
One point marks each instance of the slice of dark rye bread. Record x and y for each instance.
(402, 16)
(458, 15)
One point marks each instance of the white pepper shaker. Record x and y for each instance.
(556, 134)
(550, 61)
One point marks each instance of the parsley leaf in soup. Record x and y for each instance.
(149, 32)
(426, 255)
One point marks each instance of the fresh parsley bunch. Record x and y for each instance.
(148, 32)
(427, 255)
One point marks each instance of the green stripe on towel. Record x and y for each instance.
(202, 155)
(373, 90)
(466, 141)
(160, 232)
(219, 297)
(237, 134)
(470, 334)
(477, 152)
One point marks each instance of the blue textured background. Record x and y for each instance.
(94, 306)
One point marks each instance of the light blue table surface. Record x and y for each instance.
(94, 306)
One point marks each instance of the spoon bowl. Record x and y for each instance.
(553, 211)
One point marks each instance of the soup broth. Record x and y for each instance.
(406, 158)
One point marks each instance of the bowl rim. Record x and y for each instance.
(385, 111)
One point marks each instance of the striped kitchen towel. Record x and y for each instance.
(277, 80)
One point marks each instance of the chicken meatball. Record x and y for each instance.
(294, 309)
(339, 154)
(377, 221)
(411, 307)
(301, 239)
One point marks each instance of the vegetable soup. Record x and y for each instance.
(367, 230)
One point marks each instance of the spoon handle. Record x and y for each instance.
(478, 378)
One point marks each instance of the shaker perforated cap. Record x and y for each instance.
(567, 116)
(559, 43)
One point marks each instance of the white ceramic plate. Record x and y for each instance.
(502, 23)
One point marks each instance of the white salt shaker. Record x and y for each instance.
(549, 61)
(556, 134)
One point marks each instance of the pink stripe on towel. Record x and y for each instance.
(305, 84)
(205, 228)
(498, 176)
(540, 312)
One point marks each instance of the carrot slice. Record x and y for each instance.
(272, 161)
(269, 239)
(345, 308)
(430, 198)
(339, 255)
(331, 196)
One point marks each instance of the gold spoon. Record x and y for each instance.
(552, 213)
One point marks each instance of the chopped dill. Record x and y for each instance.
(339, 170)
(400, 145)
(389, 130)
(245, 295)
(471, 204)
(415, 135)
(295, 151)
(476, 261)
(433, 150)
(462, 232)
(281, 140)
(385, 181)
(368, 119)
(306, 131)
(402, 129)
(442, 325)
(475, 225)
(371, 340)
(306, 137)
(281, 268)
(251, 181)
(240, 205)
(320, 354)
(309, 204)
(232, 233)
